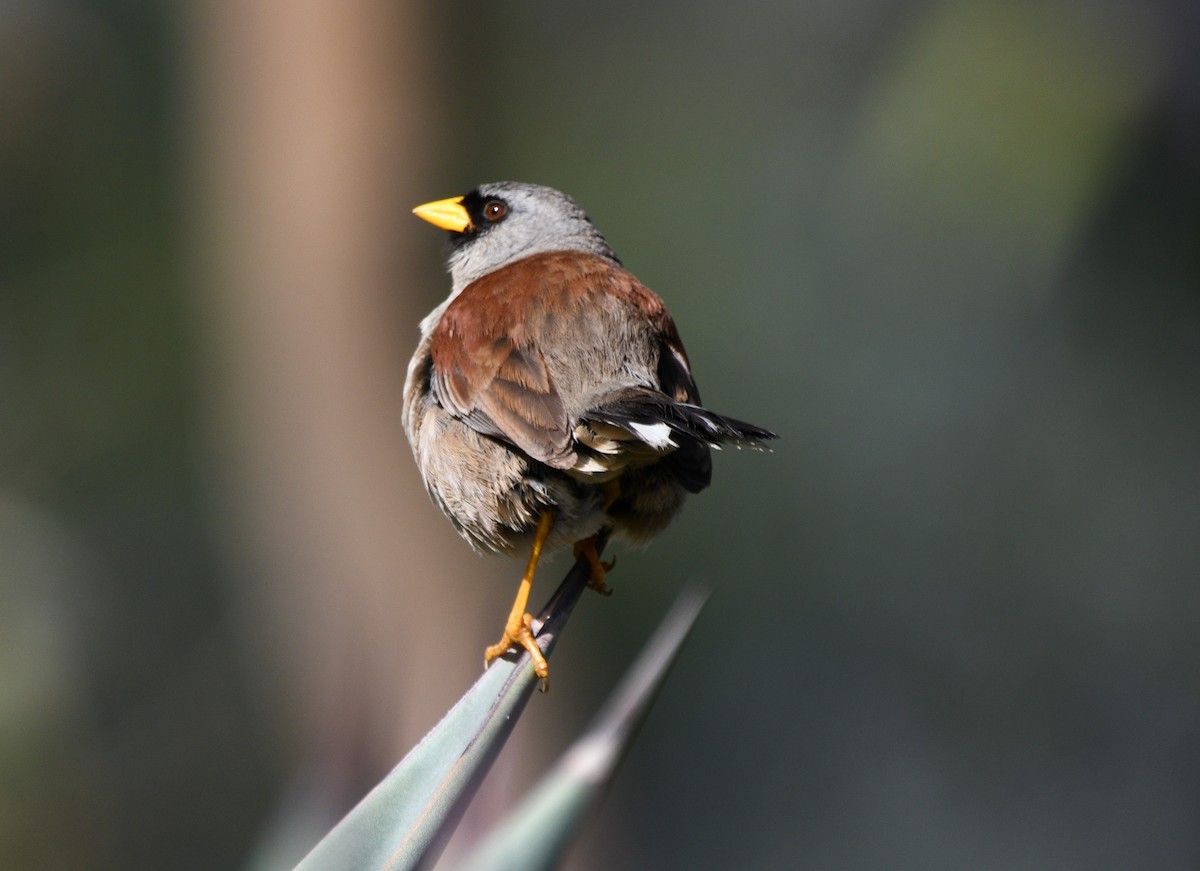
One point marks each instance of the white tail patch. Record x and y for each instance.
(656, 435)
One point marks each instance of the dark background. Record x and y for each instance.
(950, 251)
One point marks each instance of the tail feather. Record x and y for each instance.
(645, 422)
(651, 417)
(639, 426)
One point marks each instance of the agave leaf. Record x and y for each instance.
(407, 818)
(536, 834)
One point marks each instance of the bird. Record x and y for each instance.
(550, 397)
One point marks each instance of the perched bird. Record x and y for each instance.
(550, 396)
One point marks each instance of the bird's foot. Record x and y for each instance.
(518, 633)
(600, 569)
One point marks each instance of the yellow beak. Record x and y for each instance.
(447, 214)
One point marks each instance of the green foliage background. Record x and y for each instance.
(947, 250)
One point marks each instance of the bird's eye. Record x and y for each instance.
(494, 210)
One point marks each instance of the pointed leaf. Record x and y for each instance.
(408, 817)
(536, 834)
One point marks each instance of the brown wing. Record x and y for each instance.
(512, 341)
(572, 322)
(487, 372)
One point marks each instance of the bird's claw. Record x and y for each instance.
(517, 635)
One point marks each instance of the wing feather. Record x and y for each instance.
(493, 369)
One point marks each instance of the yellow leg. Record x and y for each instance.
(600, 570)
(610, 492)
(516, 630)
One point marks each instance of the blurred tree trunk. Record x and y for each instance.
(312, 135)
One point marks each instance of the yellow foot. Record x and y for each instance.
(600, 570)
(519, 633)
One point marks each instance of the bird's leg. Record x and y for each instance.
(516, 630)
(609, 491)
(600, 569)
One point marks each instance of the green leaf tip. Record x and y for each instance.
(536, 834)
(405, 821)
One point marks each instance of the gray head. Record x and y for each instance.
(509, 221)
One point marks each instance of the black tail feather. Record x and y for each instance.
(647, 408)
(685, 432)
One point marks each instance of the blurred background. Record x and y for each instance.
(949, 250)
